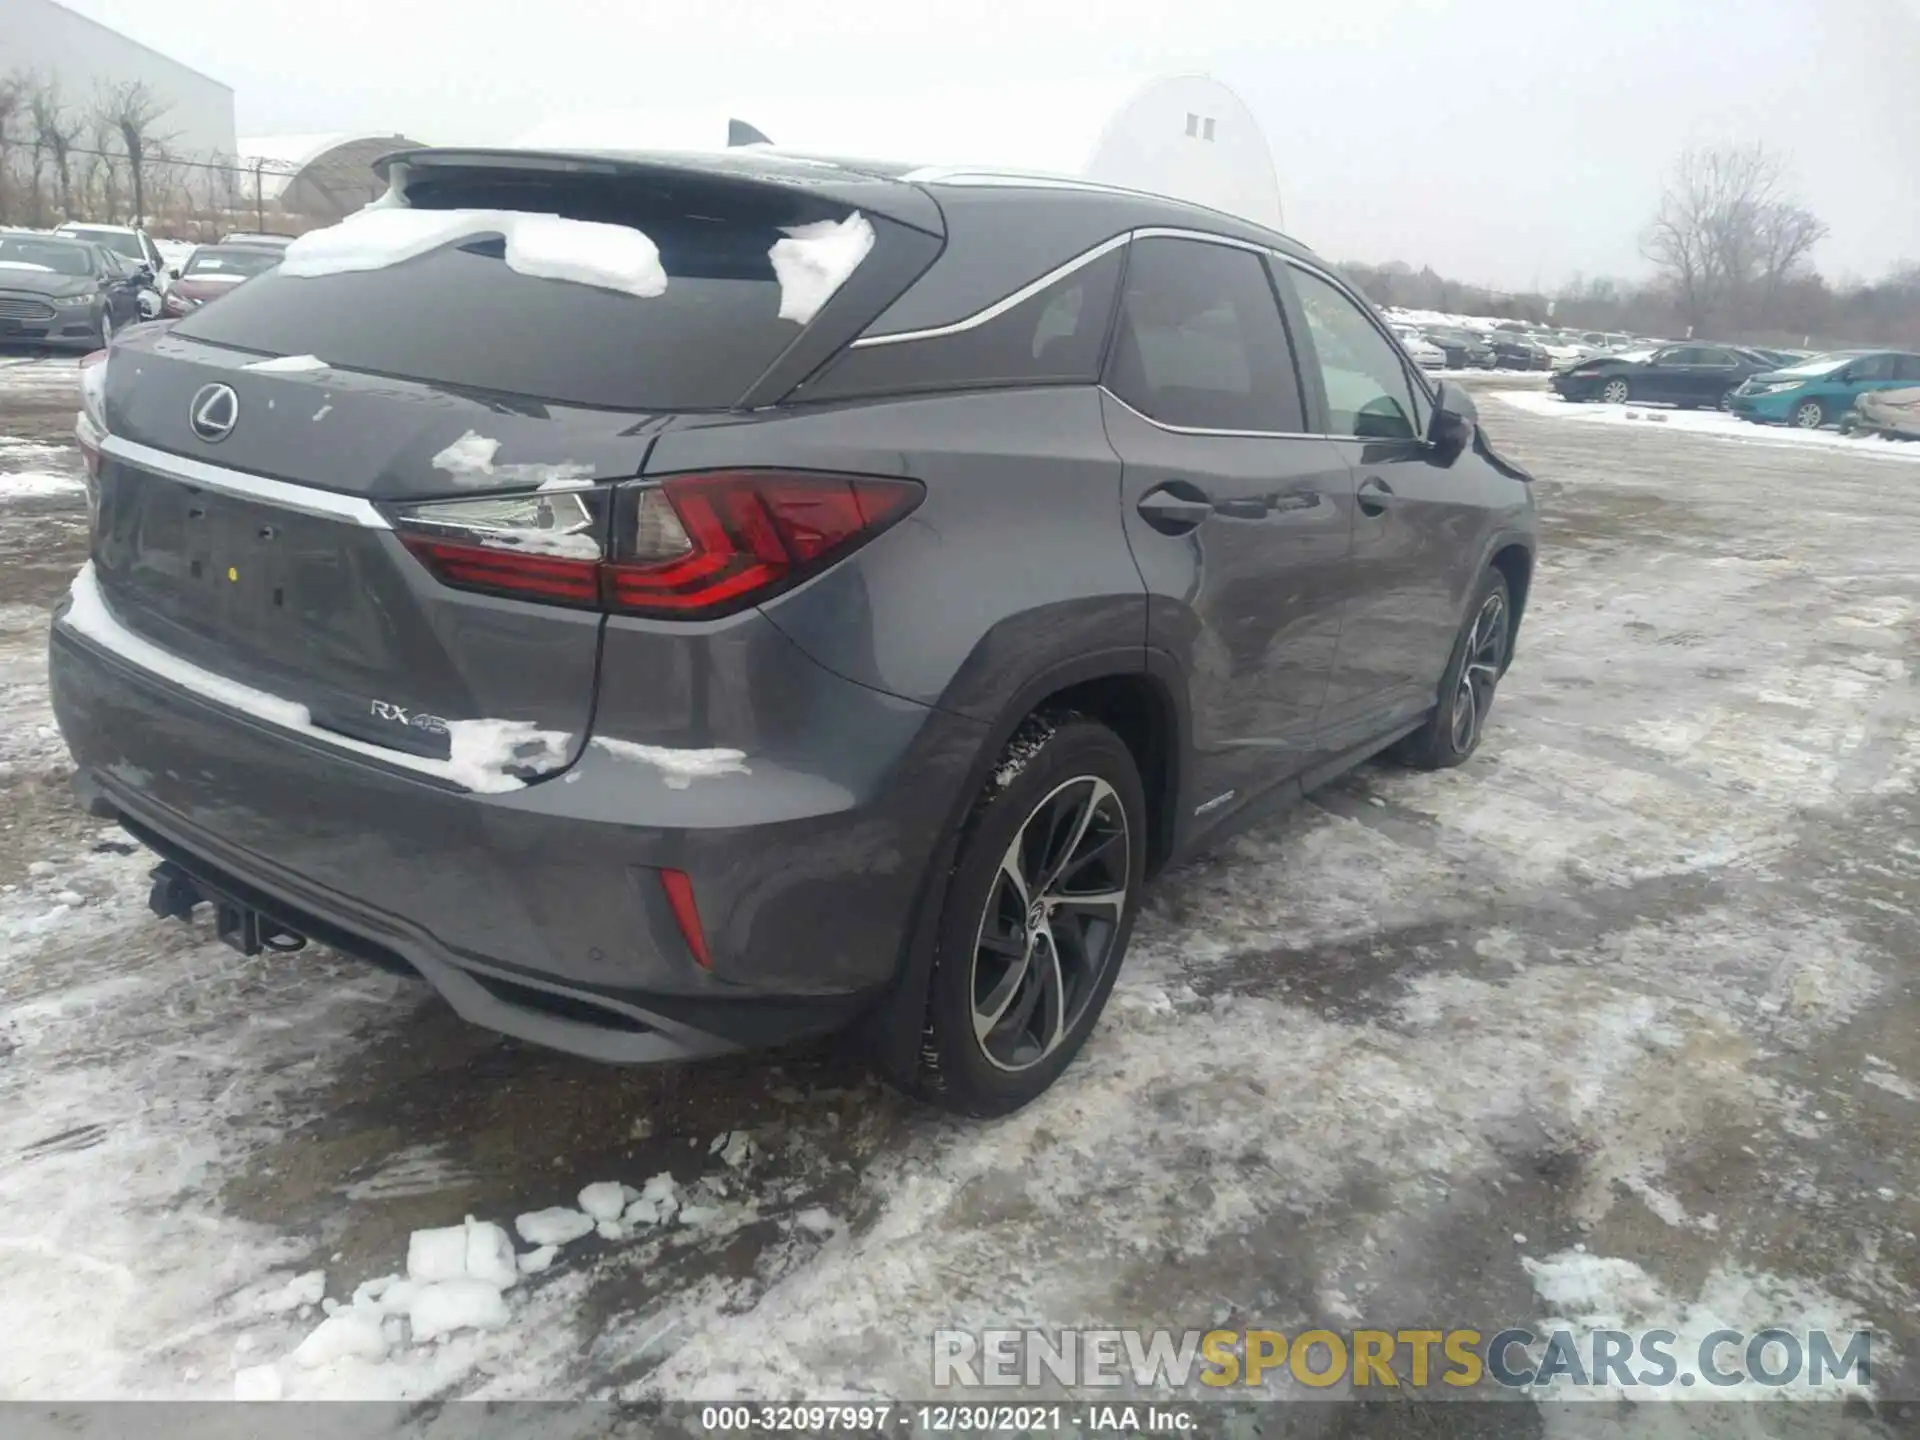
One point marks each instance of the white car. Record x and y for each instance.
(1422, 351)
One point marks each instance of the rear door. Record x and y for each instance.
(1414, 522)
(1876, 372)
(1667, 376)
(382, 493)
(1713, 373)
(1239, 520)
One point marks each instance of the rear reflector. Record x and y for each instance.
(691, 547)
(686, 914)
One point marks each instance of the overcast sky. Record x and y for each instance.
(1512, 142)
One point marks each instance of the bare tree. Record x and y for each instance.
(103, 167)
(132, 108)
(12, 106)
(56, 130)
(1727, 234)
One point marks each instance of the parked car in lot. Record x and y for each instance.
(961, 588)
(1512, 352)
(213, 270)
(1464, 349)
(59, 290)
(1692, 376)
(1891, 414)
(134, 244)
(1819, 391)
(1420, 350)
(257, 237)
(1608, 340)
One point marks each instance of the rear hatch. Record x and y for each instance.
(296, 482)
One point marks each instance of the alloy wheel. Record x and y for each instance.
(1809, 416)
(1052, 914)
(106, 328)
(1726, 400)
(1616, 392)
(1479, 673)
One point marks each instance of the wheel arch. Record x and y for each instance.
(1138, 693)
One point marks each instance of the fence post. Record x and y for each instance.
(259, 206)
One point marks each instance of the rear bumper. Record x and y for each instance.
(539, 912)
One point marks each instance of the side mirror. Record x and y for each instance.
(1450, 431)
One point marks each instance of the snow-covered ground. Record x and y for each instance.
(1715, 423)
(1616, 1024)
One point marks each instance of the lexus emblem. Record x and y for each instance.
(214, 412)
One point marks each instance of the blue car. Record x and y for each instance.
(1819, 391)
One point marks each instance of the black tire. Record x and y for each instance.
(1050, 762)
(1625, 390)
(1725, 402)
(1441, 742)
(1809, 415)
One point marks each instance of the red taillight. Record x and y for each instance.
(686, 914)
(692, 546)
(508, 572)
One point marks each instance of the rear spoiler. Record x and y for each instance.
(836, 182)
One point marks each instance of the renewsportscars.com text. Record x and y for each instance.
(1515, 1358)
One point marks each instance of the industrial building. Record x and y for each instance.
(87, 59)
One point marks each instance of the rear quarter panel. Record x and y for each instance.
(1015, 562)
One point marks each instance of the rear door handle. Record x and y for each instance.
(1174, 512)
(1374, 495)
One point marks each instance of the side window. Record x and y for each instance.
(1715, 357)
(1368, 393)
(1874, 367)
(1201, 344)
(1053, 337)
(1907, 367)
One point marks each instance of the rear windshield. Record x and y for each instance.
(208, 262)
(121, 242)
(459, 316)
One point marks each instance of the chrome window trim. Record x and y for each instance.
(1000, 306)
(305, 499)
(1058, 273)
(1416, 377)
(1225, 434)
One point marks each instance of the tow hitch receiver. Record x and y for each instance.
(175, 894)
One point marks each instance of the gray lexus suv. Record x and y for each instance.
(676, 604)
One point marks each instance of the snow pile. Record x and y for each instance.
(553, 1226)
(1596, 1292)
(551, 247)
(301, 1290)
(470, 459)
(477, 1250)
(604, 1199)
(1715, 424)
(586, 252)
(679, 768)
(36, 483)
(458, 1277)
(485, 753)
(656, 1203)
(287, 364)
(815, 260)
(471, 454)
